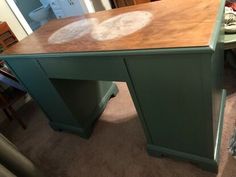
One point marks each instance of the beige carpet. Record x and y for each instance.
(117, 146)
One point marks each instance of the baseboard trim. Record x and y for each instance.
(204, 163)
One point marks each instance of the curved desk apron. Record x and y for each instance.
(172, 62)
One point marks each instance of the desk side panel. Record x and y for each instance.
(174, 92)
(217, 67)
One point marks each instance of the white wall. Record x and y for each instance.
(100, 5)
(7, 15)
(106, 4)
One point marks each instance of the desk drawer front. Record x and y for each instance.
(87, 68)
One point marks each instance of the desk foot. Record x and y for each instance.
(84, 133)
(203, 163)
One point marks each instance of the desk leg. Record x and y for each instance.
(182, 104)
(49, 95)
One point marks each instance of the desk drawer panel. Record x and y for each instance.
(86, 68)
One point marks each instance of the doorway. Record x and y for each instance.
(57, 9)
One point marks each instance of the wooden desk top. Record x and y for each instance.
(164, 24)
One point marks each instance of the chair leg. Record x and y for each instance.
(7, 114)
(13, 112)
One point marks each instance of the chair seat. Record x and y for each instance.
(11, 95)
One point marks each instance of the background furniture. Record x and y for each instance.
(174, 76)
(10, 89)
(7, 37)
(123, 3)
(9, 96)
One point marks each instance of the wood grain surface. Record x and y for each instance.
(175, 23)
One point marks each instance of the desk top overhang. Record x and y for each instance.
(174, 24)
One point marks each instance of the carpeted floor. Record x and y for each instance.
(117, 146)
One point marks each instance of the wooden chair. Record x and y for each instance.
(8, 97)
(15, 91)
(7, 37)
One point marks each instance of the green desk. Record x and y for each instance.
(172, 64)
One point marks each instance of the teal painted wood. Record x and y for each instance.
(203, 162)
(86, 104)
(115, 53)
(185, 92)
(217, 74)
(138, 107)
(182, 102)
(86, 68)
(84, 98)
(40, 87)
(54, 97)
(175, 98)
(184, 105)
(92, 68)
(75, 69)
(220, 127)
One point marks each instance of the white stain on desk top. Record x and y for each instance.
(112, 28)
(121, 25)
(72, 31)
